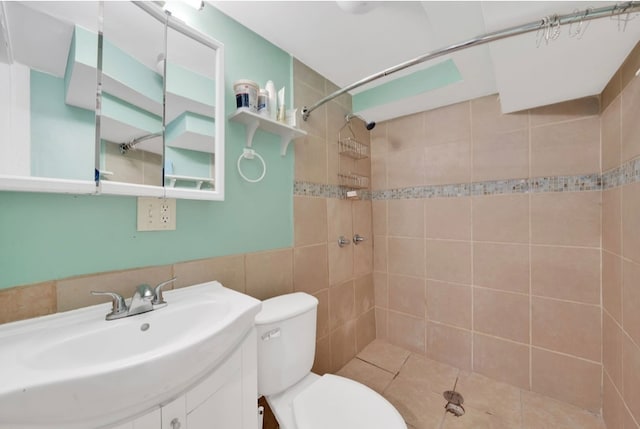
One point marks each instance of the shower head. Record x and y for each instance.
(368, 125)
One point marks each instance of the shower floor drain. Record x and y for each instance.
(454, 401)
(453, 397)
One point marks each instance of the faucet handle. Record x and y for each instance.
(119, 305)
(158, 299)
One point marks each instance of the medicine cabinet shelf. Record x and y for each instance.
(199, 181)
(253, 121)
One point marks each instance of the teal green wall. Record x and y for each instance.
(434, 77)
(50, 236)
(189, 122)
(62, 136)
(189, 84)
(189, 163)
(122, 67)
(84, 46)
(121, 111)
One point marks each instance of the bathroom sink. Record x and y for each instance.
(77, 370)
(105, 345)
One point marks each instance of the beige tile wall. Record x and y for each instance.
(504, 285)
(340, 277)
(621, 251)
(28, 301)
(136, 166)
(262, 275)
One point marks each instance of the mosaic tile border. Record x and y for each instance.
(310, 189)
(627, 173)
(590, 182)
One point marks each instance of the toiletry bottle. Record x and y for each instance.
(282, 108)
(273, 105)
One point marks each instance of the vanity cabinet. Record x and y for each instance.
(174, 414)
(226, 398)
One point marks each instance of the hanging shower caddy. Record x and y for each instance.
(350, 147)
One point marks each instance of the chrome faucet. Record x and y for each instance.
(141, 300)
(144, 299)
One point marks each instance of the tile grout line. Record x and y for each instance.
(386, 259)
(425, 291)
(505, 243)
(601, 267)
(375, 365)
(511, 341)
(622, 276)
(530, 268)
(624, 403)
(471, 251)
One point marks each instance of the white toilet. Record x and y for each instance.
(299, 398)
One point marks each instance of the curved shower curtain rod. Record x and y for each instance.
(547, 22)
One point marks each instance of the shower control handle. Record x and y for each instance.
(343, 241)
(357, 239)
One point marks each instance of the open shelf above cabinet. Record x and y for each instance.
(253, 122)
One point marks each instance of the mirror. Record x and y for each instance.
(190, 113)
(47, 139)
(151, 137)
(130, 120)
(160, 92)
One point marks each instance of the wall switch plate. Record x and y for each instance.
(156, 214)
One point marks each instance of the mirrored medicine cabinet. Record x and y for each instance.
(109, 97)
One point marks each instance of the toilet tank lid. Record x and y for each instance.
(284, 307)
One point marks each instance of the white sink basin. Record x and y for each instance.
(77, 370)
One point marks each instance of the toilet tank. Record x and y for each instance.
(286, 341)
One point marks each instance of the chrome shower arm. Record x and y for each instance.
(125, 147)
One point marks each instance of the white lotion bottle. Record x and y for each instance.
(273, 105)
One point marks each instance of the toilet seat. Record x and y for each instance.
(340, 403)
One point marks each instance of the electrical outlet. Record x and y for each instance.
(156, 214)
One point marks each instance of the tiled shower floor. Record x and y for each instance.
(414, 385)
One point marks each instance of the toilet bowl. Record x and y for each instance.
(299, 398)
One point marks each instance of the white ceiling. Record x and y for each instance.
(347, 47)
